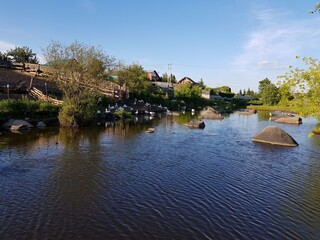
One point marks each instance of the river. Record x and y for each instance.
(119, 182)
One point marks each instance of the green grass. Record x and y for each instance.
(274, 108)
(27, 108)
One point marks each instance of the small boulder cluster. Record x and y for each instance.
(18, 125)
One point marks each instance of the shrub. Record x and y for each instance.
(26, 108)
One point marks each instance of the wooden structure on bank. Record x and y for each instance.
(37, 94)
(35, 76)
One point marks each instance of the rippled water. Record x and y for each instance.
(122, 183)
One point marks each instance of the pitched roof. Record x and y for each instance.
(187, 79)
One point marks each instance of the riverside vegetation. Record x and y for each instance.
(77, 67)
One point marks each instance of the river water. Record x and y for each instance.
(119, 182)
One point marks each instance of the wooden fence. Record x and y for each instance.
(36, 93)
(107, 88)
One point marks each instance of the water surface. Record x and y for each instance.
(118, 182)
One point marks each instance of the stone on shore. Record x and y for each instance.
(17, 128)
(17, 124)
(41, 124)
(196, 124)
(290, 119)
(275, 136)
(210, 113)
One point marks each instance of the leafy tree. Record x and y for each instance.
(268, 92)
(250, 92)
(301, 88)
(135, 78)
(285, 95)
(23, 54)
(223, 89)
(240, 92)
(165, 78)
(173, 78)
(201, 84)
(262, 84)
(187, 91)
(269, 95)
(3, 56)
(77, 69)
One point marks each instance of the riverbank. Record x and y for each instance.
(274, 108)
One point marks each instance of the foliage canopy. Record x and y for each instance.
(301, 88)
(187, 91)
(77, 69)
(135, 78)
(23, 54)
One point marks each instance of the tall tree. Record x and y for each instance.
(135, 78)
(250, 92)
(23, 54)
(165, 77)
(173, 78)
(244, 92)
(301, 88)
(263, 83)
(269, 95)
(77, 69)
(201, 84)
(187, 91)
(3, 56)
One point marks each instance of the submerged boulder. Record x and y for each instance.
(150, 130)
(195, 124)
(290, 119)
(247, 112)
(210, 113)
(17, 128)
(275, 136)
(41, 124)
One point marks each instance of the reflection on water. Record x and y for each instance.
(117, 182)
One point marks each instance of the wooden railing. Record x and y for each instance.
(107, 88)
(36, 93)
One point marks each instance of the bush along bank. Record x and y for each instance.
(35, 111)
(26, 108)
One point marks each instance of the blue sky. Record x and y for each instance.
(233, 43)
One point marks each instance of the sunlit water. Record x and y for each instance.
(177, 183)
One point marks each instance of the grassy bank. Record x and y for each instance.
(24, 108)
(274, 108)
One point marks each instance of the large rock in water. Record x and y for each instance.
(210, 113)
(275, 136)
(195, 124)
(17, 124)
(287, 119)
(248, 112)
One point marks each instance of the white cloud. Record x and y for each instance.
(277, 40)
(4, 46)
